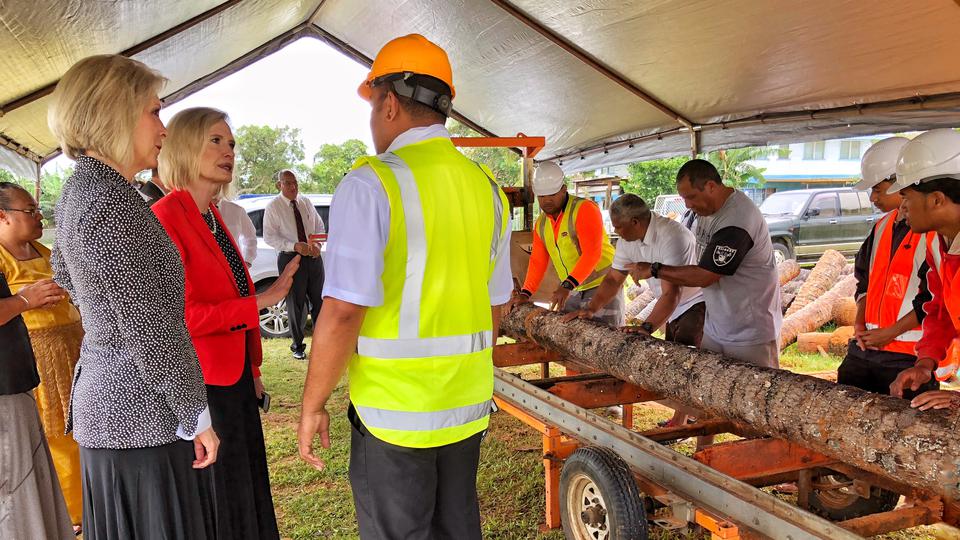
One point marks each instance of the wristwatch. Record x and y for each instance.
(567, 285)
(647, 327)
(655, 269)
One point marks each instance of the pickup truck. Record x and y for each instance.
(806, 222)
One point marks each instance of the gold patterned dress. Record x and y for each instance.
(55, 334)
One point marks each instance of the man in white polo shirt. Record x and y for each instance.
(647, 237)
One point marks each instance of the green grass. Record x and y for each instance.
(315, 504)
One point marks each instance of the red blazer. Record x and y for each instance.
(223, 325)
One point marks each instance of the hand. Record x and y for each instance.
(279, 288)
(936, 399)
(631, 329)
(586, 313)
(310, 425)
(875, 339)
(859, 329)
(912, 378)
(258, 387)
(205, 447)
(314, 250)
(302, 248)
(639, 271)
(559, 298)
(42, 294)
(515, 301)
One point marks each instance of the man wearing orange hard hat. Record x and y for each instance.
(418, 268)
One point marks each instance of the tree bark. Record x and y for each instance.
(874, 432)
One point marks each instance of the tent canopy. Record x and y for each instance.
(605, 81)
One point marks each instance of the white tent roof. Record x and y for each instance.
(605, 81)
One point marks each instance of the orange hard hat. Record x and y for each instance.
(412, 53)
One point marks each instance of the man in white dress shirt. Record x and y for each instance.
(289, 221)
(241, 227)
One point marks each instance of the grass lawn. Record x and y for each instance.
(313, 504)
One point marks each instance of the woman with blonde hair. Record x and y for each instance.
(222, 314)
(139, 406)
(55, 331)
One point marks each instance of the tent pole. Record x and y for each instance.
(36, 189)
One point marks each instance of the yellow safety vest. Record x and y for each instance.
(423, 372)
(565, 252)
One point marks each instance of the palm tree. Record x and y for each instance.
(734, 168)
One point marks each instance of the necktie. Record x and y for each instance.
(301, 234)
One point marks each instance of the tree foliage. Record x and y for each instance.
(261, 152)
(648, 179)
(503, 162)
(332, 162)
(734, 168)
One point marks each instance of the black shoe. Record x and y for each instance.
(299, 355)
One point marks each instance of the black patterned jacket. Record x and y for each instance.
(138, 378)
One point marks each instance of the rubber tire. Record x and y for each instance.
(625, 510)
(881, 500)
(783, 249)
(264, 333)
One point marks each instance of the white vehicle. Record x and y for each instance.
(274, 322)
(669, 206)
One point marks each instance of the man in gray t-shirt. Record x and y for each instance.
(735, 268)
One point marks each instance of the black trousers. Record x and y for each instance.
(307, 285)
(857, 369)
(414, 493)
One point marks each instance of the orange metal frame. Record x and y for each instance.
(528, 146)
(781, 460)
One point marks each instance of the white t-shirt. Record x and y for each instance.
(241, 227)
(666, 242)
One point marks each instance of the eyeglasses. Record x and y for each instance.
(33, 212)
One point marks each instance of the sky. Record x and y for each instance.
(306, 85)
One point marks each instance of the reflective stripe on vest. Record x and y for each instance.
(563, 246)
(413, 382)
(894, 282)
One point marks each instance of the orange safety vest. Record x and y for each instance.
(950, 284)
(894, 282)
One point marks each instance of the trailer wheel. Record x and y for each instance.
(837, 501)
(599, 499)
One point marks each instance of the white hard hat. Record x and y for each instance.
(932, 155)
(547, 178)
(879, 162)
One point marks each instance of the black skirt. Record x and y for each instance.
(145, 494)
(241, 484)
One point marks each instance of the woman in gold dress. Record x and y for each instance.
(54, 327)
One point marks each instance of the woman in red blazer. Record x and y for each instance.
(222, 315)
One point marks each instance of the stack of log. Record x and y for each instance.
(823, 295)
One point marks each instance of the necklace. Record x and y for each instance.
(211, 222)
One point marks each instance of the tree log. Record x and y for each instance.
(823, 276)
(839, 340)
(787, 270)
(816, 313)
(636, 305)
(874, 432)
(812, 342)
(845, 311)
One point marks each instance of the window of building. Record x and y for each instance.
(850, 150)
(813, 150)
(783, 151)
